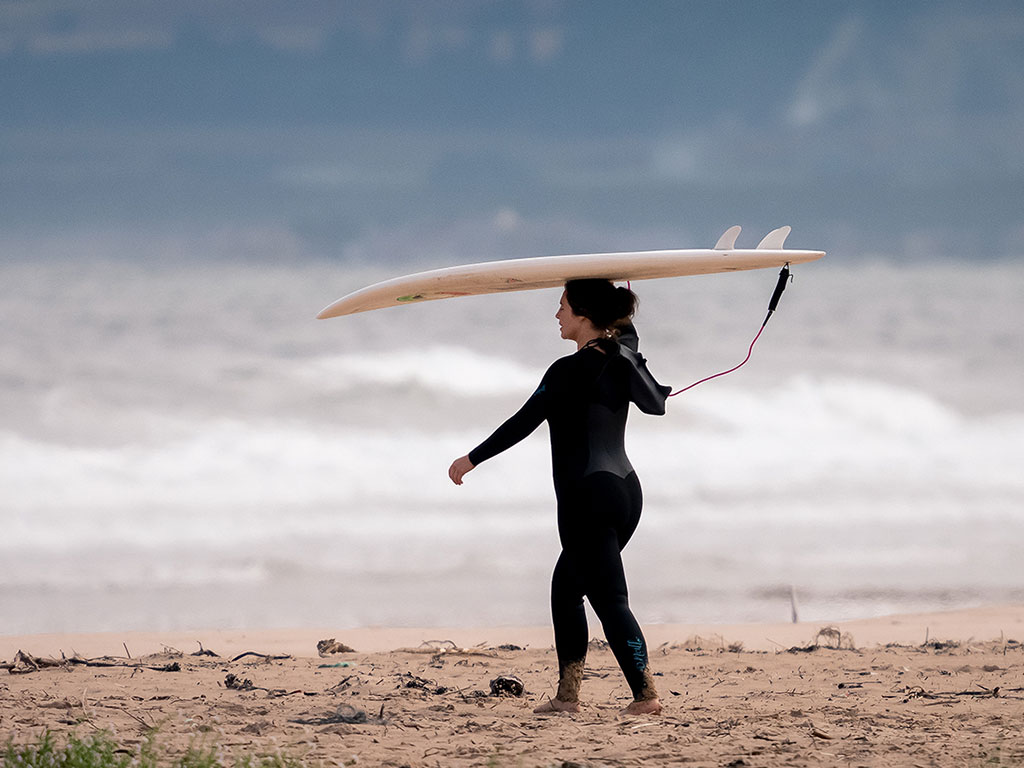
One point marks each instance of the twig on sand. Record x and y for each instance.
(264, 656)
(938, 697)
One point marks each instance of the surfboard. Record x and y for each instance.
(554, 271)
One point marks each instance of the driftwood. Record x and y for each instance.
(448, 648)
(264, 656)
(24, 663)
(938, 697)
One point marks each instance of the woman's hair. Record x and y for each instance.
(600, 302)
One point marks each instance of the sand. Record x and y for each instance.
(926, 690)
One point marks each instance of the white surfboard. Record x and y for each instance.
(554, 271)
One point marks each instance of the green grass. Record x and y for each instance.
(99, 750)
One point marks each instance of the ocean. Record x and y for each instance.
(183, 446)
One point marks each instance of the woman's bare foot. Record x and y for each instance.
(557, 705)
(648, 707)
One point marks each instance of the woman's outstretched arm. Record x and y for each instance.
(516, 428)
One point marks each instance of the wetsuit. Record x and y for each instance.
(585, 399)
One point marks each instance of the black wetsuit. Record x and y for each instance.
(585, 399)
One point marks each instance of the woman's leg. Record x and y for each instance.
(605, 579)
(570, 623)
(607, 592)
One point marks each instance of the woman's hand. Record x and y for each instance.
(459, 468)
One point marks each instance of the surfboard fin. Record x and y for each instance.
(728, 239)
(775, 240)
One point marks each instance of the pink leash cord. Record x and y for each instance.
(715, 376)
(780, 286)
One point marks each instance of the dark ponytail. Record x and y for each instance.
(599, 301)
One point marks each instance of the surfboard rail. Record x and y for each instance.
(554, 271)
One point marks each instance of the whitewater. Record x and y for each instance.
(182, 445)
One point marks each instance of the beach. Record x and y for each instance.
(858, 475)
(933, 689)
(229, 535)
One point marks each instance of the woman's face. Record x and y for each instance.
(571, 324)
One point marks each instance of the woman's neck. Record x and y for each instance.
(587, 338)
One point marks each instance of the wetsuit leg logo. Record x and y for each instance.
(639, 654)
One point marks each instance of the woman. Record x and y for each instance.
(585, 399)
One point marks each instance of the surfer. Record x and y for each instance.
(585, 399)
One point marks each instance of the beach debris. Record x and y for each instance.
(345, 713)
(828, 637)
(105, 661)
(327, 647)
(235, 683)
(202, 651)
(918, 692)
(597, 644)
(834, 638)
(25, 663)
(409, 680)
(439, 648)
(258, 727)
(941, 645)
(341, 685)
(699, 643)
(803, 648)
(507, 685)
(510, 647)
(264, 656)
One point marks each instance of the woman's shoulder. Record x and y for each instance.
(571, 366)
(566, 363)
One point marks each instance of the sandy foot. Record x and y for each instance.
(557, 705)
(649, 707)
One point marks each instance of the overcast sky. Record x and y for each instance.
(391, 130)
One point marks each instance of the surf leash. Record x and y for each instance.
(780, 286)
